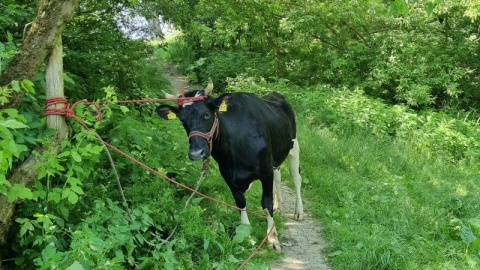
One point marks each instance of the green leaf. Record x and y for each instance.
(97, 149)
(16, 86)
(76, 156)
(467, 235)
(10, 112)
(474, 223)
(429, 7)
(73, 198)
(206, 243)
(9, 37)
(232, 259)
(119, 256)
(64, 154)
(4, 181)
(197, 200)
(399, 7)
(241, 233)
(77, 190)
(67, 78)
(124, 109)
(54, 196)
(66, 192)
(19, 191)
(75, 266)
(335, 253)
(26, 226)
(28, 86)
(13, 124)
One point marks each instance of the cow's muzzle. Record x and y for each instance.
(199, 153)
(195, 154)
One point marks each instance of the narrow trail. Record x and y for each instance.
(302, 245)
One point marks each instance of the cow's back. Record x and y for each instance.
(253, 127)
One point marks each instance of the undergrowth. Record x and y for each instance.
(76, 218)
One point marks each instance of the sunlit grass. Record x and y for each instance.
(384, 206)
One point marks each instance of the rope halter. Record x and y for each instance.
(207, 135)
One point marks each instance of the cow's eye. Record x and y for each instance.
(207, 115)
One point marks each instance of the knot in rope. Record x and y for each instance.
(66, 110)
(183, 99)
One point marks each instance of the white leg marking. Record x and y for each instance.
(277, 194)
(273, 242)
(294, 162)
(244, 216)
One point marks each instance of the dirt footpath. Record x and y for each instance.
(302, 245)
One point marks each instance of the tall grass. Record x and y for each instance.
(385, 205)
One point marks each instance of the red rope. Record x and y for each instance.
(182, 99)
(68, 111)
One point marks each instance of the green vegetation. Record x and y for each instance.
(386, 201)
(387, 108)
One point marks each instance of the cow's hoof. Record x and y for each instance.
(275, 246)
(298, 216)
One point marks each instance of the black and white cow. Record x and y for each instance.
(249, 137)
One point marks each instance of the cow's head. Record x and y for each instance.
(196, 110)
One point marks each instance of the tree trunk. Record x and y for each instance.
(51, 19)
(47, 42)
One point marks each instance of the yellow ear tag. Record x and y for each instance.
(223, 107)
(171, 116)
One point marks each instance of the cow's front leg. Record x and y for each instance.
(241, 203)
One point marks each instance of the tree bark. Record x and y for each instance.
(51, 19)
(42, 43)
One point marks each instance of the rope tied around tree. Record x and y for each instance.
(68, 109)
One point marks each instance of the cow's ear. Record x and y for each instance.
(167, 112)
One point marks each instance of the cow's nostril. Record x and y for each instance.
(196, 154)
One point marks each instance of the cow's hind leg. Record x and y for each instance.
(267, 206)
(294, 162)
(277, 194)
